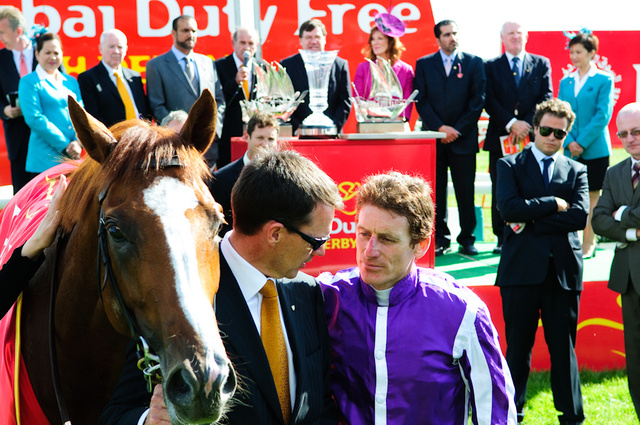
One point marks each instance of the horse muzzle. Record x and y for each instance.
(197, 395)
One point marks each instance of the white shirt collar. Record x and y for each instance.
(520, 56)
(179, 55)
(593, 69)
(55, 78)
(250, 279)
(537, 153)
(110, 70)
(452, 56)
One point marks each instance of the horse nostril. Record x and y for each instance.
(227, 384)
(182, 386)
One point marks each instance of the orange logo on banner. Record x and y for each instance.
(348, 191)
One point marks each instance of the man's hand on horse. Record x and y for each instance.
(46, 231)
(158, 413)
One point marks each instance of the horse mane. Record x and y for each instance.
(140, 146)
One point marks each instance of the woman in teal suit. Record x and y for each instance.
(590, 93)
(43, 98)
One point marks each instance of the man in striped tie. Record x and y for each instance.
(16, 60)
(616, 217)
(111, 92)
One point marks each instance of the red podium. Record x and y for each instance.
(348, 161)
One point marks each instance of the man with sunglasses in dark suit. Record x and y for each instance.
(544, 199)
(283, 207)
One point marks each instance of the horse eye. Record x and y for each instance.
(115, 233)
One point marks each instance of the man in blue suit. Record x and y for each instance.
(513, 91)
(544, 198)
(452, 91)
(18, 49)
(175, 79)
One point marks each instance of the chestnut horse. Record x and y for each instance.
(143, 189)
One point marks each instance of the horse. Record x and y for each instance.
(137, 252)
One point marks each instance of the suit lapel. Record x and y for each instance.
(173, 65)
(289, 302)
(507, 73)
(237, 326)
(533, 170)
(106, 82)
(560, 171)
(527, 65)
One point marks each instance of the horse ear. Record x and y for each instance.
(200, 128)
(96, 139)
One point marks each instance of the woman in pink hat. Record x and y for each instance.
(384, 42)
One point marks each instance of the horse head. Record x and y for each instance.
(159, 266)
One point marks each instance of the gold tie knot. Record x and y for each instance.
(269, 289)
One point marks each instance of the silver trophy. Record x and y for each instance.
(318, 66)
(385, 102)
(274, 94)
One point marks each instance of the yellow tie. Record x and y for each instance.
(130, 111)
(245, 88)
(274, 346)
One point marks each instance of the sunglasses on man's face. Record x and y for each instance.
(315, 243)
(557, 132)
(634, 133)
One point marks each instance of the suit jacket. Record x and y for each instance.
(257, 399)
(593, 108)
(455, 100)
(220, 187)
(338, 93)
(522, 199)
(101, 97)
(46, 112)
(233, 94)
(169, 90)
(506, 101)
(616, 192)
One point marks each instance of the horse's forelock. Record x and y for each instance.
(140, 147)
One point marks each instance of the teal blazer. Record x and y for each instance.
(593, 108)
(46, 112)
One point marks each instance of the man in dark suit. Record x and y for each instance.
(513, 91)
(238, 81)
(313, 36)
(16, 60)
(175, 79)
(283, 209)
(452, 89)
(262, 132)
(111, 92)
(544, 198)
(616, 217)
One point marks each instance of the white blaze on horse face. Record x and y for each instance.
(170, 199)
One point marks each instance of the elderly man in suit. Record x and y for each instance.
(111, 92)
(238, 80)
(452, 90)
(175, 79)
(616, 216)
(543, 196)
(16, 61)
(516, 82)
(262, 132)
(270, 243)
(313, 36)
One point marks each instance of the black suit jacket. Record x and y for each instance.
(522, 198)
(257, 400)
(220, 187)
(233, 94)
(506, 101)
(455, 100)
(16, 131)
(101, 97)
(338, 94)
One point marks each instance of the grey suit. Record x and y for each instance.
(625, 268)
(169, 90)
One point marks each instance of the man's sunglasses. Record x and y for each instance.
(315, 243)
(623, 134)
(557, 133)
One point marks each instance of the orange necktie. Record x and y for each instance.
(274, 346)
(130, 111)
(245, 88)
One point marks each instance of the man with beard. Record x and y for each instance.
(175, 79)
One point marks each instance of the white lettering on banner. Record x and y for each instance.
(637, 68)
(337, 16)
(29, 12)
(267, 22)
(305, 12)
(144, 20)
(87, 21)
(338, 226)
(108, 17)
